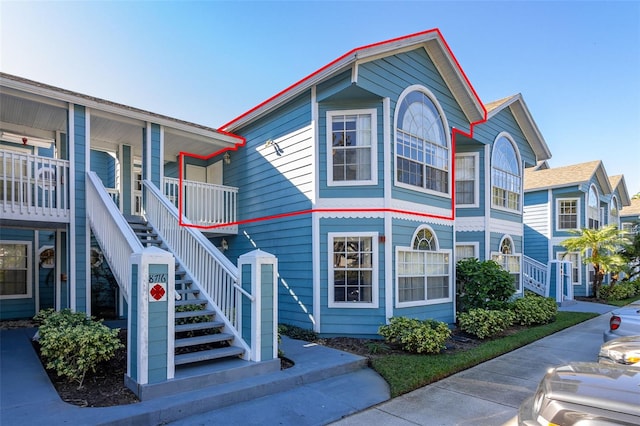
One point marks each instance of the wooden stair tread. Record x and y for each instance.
(200, 313)
(203, 340)
(198, 326)
(228, 351)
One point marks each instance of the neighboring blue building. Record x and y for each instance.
(564, 199)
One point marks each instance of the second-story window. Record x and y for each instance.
(351, 147)
(506, 178)
(593, 210)
(422, 146)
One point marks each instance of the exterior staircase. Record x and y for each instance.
(199, 336)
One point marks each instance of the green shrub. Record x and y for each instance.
(484, 323)
(619, 291)
(413, 335)
(298, 333)
(72, 344)
(533, 309)
(482, 285)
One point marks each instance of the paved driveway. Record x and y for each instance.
(490, 393)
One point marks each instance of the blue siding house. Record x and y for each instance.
(564, 199)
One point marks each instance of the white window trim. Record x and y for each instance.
(507, 136)
(399, 304)
(520, 288)
(559, 257)
(374, 274)
(447, 133)
(476, 183)
(475, 245)
(374, 147)
(29, 245)
(578, 213)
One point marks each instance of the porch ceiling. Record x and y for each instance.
(37, 116)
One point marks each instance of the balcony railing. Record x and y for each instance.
(33, 187)
(205, 205)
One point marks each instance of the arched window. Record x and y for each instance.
(422, 144)
(423, 274)
(506, 176)
(593, 209)
(614, 214)
(507, 257)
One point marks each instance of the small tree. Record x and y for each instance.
(484, 285)
(600, 248)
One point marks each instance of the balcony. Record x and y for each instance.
(212, 208)
(33, 188)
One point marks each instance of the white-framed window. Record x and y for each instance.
(628, 227)
(567, 213)
(353, 270)
(466, 251)
(506, 174)
(422, 146)
(15, 267)
(509, 259)
(423, 271)
(467, 180)
(614, 212)
(593, 209)
(351, 147)
(574, 258)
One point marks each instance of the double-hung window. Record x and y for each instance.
(353, 270)
(509, 260)
(351, 147)
(506, 177)
(422, 144)
(467, 178)
(466, 251)
(15, 262)
(423, 272)
(567, 214)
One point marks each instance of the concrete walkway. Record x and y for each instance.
(324, 386)
(491, 393)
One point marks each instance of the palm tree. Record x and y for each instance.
(600, 248)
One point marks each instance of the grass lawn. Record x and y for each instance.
(405, 373)
(623, 302)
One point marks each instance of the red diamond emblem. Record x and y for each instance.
(157, 292)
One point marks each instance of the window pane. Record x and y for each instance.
(351, 146)
(353, 269)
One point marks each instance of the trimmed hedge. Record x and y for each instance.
(484, 323)
(533, 309)
(413, 335)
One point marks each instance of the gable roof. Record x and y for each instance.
(632, 210)
(617, 182)
(574, 174)
(523, 117)
(431, 40)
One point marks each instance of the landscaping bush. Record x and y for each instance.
(72, 344)
(483, 285)
(298, 333)
(484, 323)
(418, 336)
(620, 291)
(533, 309)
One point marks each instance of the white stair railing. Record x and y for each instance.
(114, 235)
(205, 204)
(534, 276)
(33, 187)
(210, 270)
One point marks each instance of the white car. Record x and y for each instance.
(623, 350)
(623, 322)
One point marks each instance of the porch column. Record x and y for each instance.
(79, 270)
(150, 354)
(259, 317)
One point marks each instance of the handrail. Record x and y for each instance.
(210, 270)
(535, 276)
(204, 204)
(35, 186)
(114, 235)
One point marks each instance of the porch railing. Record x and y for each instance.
(214, 274)
(205, 204)
(114, 235)
(33, 187)
(534, 276)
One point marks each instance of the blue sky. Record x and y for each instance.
(576, 63)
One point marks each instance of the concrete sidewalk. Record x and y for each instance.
(324, 386)
(491, 393)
